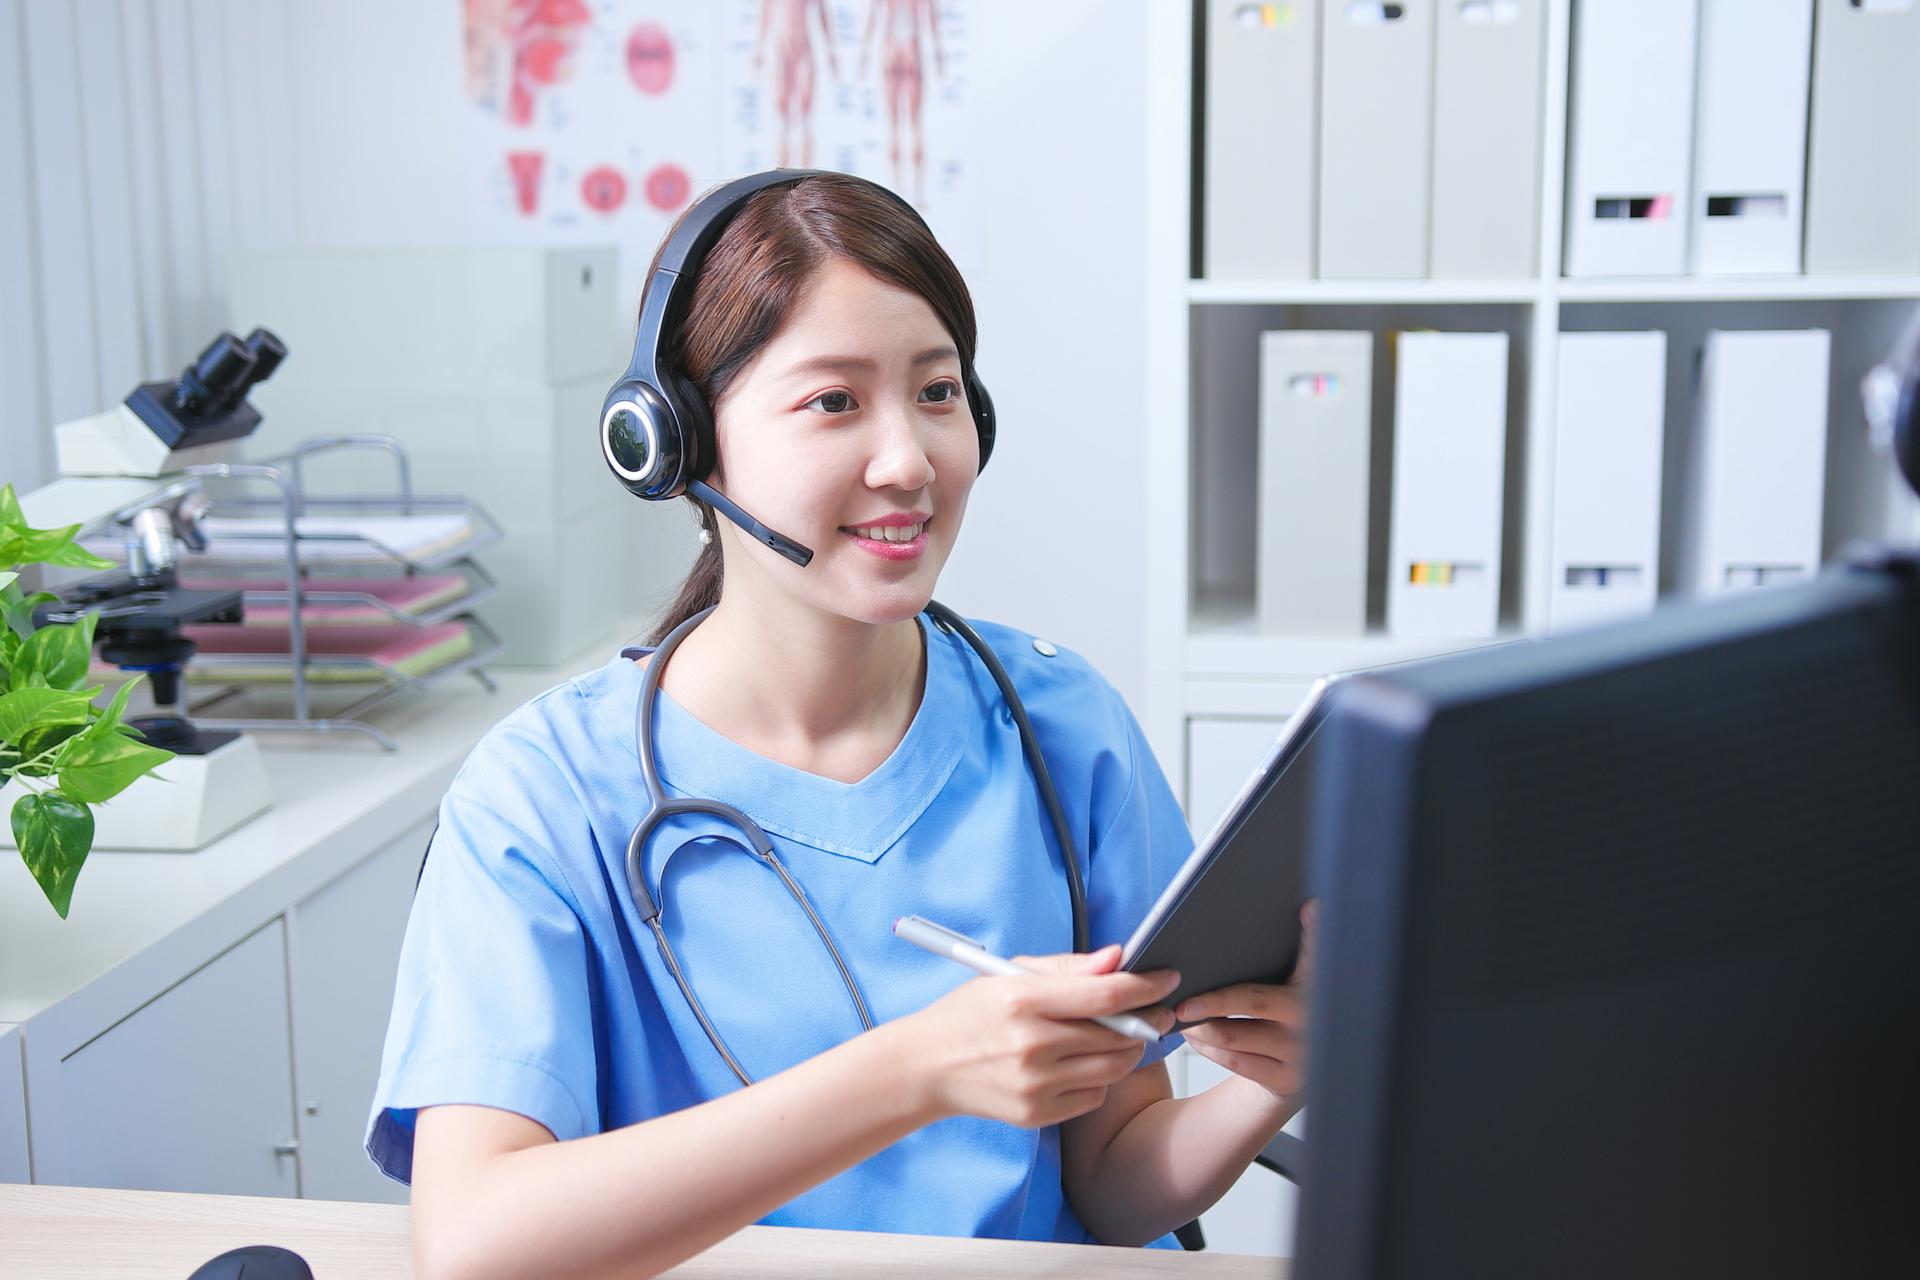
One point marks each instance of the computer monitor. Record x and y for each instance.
(1619, 967)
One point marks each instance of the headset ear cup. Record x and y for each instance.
(696, 422)
(641, 441)
(983, 420)
(1906, 429)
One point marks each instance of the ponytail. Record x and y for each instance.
(701, 590)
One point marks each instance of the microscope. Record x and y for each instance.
(127, 469)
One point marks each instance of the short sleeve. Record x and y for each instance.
(1144, 843)
(491, 1003)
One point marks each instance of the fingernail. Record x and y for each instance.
(1173, 979)
(1193, 1009)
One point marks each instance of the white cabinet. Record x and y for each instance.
(1256, 1215)
(14, 1166)
(344, 948)
(189, 1092)
(1221, 753)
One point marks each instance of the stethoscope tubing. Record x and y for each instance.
(661, 807)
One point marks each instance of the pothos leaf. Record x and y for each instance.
(95, 769)
(55, 834)
(60, 652)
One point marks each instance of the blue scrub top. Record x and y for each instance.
(528, 982)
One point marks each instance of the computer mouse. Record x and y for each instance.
(255, 1262)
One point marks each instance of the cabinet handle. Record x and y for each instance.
(287, 1148)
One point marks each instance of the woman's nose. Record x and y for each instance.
(901, 459)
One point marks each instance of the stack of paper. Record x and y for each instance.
(231, 653)
(326, 539)
(412, 596)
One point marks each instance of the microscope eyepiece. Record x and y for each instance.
(219, 377)
(268, 351)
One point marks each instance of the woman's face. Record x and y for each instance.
(852, 416)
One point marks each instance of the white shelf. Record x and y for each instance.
(1335, 292)
(1223, 641)
(1528, 292)
(1739, 288)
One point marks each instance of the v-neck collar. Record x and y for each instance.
(855, 819)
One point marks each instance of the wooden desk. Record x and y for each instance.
(83, 1233)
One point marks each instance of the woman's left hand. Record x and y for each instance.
(1259, 1030)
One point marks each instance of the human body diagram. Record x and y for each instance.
(899, 24)
(788, 23)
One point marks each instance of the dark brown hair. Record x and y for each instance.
(759, 270)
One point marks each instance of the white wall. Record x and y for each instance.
(340, 124)
(139, 140)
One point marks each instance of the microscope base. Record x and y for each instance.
(186, 803)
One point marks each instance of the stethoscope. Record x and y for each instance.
(661, 807)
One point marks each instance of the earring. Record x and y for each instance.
(706, 537)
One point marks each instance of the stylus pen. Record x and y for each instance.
(958, 947)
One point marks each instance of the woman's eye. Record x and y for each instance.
(949, 391)
(833, 402)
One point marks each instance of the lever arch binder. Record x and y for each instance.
(1375, 138)
(1607, 442)
(1262, 105)
(1630, 144)
(1315, 452)
(1750, 131)
(1449, 471)
(1756, 468)
(1488, 63)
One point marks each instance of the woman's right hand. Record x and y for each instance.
(1020, 1048)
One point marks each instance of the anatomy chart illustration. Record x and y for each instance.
(899, 24)
(789, 24)
(597, 121)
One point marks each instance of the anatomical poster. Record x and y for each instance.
(597, 121)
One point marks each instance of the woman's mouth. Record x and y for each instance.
(891, 542)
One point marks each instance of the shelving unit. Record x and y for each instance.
(1207, 662)
(1217, 688)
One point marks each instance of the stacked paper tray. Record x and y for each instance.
(334, 654)
(417, 600)
(431, 533)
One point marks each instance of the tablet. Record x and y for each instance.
(1232, 912)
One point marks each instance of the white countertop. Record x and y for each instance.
(337, 798)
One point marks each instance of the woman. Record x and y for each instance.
(549, 1087)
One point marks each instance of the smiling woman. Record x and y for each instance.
(650, 991)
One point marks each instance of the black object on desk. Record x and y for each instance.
(1618, 966)
(255, 1262)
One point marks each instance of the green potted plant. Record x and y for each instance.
(65, 753)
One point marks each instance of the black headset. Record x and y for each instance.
(1891, 393)
(656, 429)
